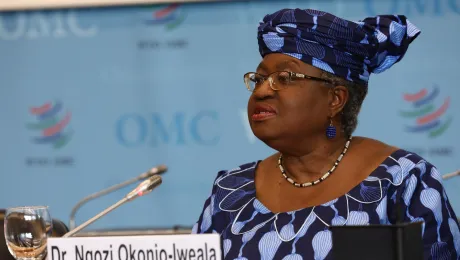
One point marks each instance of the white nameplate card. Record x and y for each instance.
(162, 247)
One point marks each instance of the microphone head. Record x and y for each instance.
(160, 169)
(145, 187)
(154, 181)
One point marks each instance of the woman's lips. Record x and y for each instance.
(263, 112)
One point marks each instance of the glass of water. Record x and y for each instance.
(27, 230)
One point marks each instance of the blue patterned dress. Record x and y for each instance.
(250, 231)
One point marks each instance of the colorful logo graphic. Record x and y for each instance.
(51, 125)
(427, 115)
(171, 16)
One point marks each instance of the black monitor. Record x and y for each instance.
(378, 242)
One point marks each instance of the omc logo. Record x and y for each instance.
(50, 125)
(39, 25)
(179, 129)
(171, 16)
(427, 116)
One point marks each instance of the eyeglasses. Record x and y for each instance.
(277, 80)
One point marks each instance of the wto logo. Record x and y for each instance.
(171, 16)
(427, 115)
(51, 125)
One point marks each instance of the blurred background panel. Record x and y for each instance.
(91, 97)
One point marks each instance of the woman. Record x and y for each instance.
(306, 95)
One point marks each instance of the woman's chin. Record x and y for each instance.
(268, 136)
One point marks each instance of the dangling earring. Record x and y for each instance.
(331, 131)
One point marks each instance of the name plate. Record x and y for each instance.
(162, 247)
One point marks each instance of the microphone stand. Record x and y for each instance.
(142, 189)
(451, 175)
(145, 175)
(91, 220)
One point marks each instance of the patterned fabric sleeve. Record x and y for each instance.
(205, 221)
(426, 200)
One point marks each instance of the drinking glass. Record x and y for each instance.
(27, 230)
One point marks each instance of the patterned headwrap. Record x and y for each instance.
(351, 50)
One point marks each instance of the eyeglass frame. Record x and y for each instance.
(291, 74)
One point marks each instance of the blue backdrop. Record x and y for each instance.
(92, 97)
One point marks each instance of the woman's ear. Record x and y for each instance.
(337, 99)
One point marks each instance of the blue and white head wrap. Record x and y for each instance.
(351, 50)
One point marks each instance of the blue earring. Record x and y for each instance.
(331, 131)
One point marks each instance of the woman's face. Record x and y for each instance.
(293, 113)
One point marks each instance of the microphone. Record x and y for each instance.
(451, 175)
(144, 188)
(155, 170)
